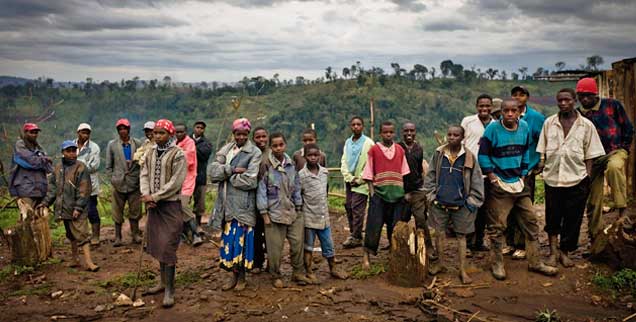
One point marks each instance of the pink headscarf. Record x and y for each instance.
(167, 125)
(241, 124)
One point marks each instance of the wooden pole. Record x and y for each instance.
(371, 109)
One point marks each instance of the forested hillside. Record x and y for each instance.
(431, 104)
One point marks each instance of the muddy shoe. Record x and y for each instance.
(551, 261)
(197, 241)
(544, 269)
(498, 271)
(241, 284)
(352, 242)
(278, 283)
(231, 283)
(300, 279)
(313, 279)
(436, 268)
(339, 274)
(519, 254)
(507, 250)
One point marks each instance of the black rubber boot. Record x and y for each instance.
(161, 283)
(135, 232)
(168, 294)
(118, 242)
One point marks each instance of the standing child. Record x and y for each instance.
(352, 163)
(313, 186)
(70, 190)
(455, 189)
(279, 202)
(162, 175)
(309, 136)
(383, 173)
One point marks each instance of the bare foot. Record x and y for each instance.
(552, 260)
(464, 277)
(366, 265)
(565, 260)
(436, 268)
(278, 283)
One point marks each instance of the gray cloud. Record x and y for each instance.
(409, 5)
(445, 26)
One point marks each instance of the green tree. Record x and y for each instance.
(445, 67)
(593, 62)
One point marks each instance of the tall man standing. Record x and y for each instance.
(88, 152)
(124, 172)
(30, 165)
(616, 133)
(354, 159)
(474, 127)
(204, 150)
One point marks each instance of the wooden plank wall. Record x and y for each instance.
(624, 89)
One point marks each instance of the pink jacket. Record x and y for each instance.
(190, 150)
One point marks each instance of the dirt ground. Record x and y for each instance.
(86, 296)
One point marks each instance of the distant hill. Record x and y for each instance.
(12, 80)
(289, 108)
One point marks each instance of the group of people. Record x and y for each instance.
(479, 182)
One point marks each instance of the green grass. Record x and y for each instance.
(40, 290)
(539, 191)
(621, 282)
(357, 272)
(119, 283)
(336, 204)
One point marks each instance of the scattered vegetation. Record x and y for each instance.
(621, 282)
(357, 272)
(547, 315)
(119, 283)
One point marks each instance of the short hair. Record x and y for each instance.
(503, 103)
(310, 146)
(482, 96)
(356, 118)
(200, 123)
(276, 135)
(386, 123)
(310, 131)
(180, 124)
(259, 128)
(461, 128)
(568, 90)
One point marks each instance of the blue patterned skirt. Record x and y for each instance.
(237, 247)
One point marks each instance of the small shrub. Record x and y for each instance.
(547, 315)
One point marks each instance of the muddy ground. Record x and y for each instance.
(88, 296)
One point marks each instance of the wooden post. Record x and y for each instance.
(31, 238)
(408, 261)
(371, 109)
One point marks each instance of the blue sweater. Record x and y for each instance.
(451, 182)
(535, 124)
(505, 152)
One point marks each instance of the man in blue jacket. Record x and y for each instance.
(30, 165)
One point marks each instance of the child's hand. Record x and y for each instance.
(239, 170)
(76, 214)
(147, 199)
(266, 219)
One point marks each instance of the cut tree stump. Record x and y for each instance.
(30, 239)
(408, 261)
(616, 245)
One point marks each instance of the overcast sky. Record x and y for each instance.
(225, 40)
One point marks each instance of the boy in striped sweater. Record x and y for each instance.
(386, 165)
(503, 156)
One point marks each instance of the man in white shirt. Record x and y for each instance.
(474, 127)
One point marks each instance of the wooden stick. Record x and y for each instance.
(430, 286)
(473, 316)
(371, 108)
(629, 317)
(483, 285)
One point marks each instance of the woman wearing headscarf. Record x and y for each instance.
(235, 169)
(162, 175)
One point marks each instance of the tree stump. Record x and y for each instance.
(31, 238)
(616, 245)
(408, 260)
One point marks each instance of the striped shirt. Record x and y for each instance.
(505, 152)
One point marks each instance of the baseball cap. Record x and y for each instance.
(150, 125)
(68, 144)
(520, 88)
(84, 126)
(30, 127)
(587, 85)
(123, 122)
